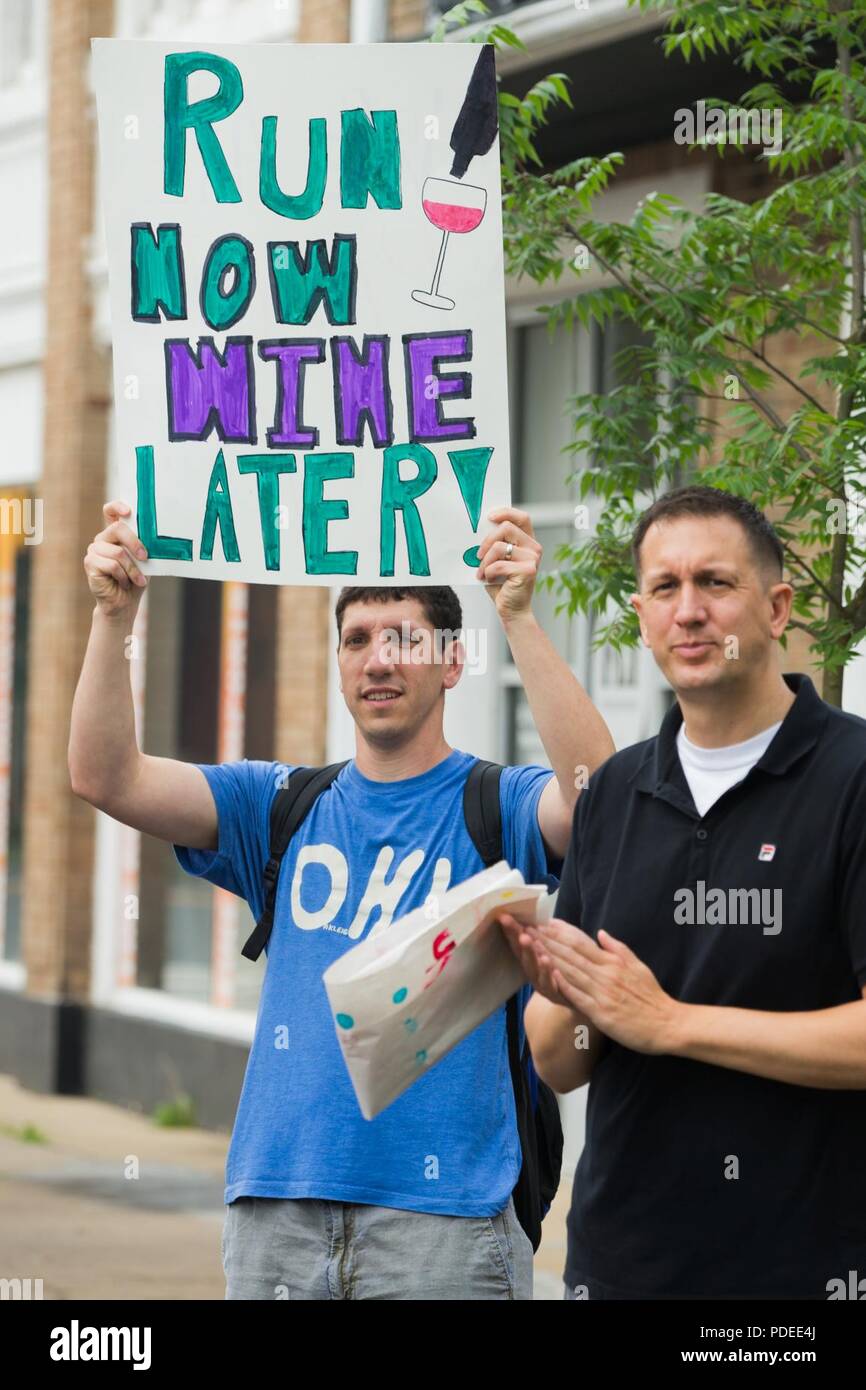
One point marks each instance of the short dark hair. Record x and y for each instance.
(440, 604)
(698, 500)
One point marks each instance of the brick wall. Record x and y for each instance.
(324, 21)
(301, 716)
(58, 827)
(408, 19)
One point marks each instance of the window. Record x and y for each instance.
(21, 40)
(181, 694)
(185, 628)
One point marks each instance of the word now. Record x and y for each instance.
(299, 282)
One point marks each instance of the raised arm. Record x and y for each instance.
(160, 796)
(575, 737)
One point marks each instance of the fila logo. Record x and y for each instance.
(766, 852)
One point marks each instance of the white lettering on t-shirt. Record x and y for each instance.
(441, 878)
(385, 895)
(335, 862)
(377, 892)
(439, 886)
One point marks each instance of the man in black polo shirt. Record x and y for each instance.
(714, 993)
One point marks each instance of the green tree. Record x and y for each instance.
(725, 300)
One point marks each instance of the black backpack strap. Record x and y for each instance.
(289, 807)
(538, 1123)
(526, 1194)
(482, 810)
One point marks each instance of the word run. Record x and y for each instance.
(369, 145)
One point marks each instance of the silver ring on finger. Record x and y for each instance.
(509, 549)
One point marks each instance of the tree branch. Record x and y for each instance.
(760, 404)
(798, 560)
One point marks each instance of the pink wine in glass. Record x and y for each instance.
(451, 217)
(452, 207)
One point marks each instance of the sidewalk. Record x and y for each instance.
(74, 1214)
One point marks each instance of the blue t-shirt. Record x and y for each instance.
(449, 1143)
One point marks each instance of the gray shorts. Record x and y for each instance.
(279, 1247)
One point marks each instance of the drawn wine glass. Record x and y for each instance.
(453, 207)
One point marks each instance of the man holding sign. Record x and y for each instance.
(286, 319)
(322, 1203)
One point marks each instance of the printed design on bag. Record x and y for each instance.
(443, 945)
(400, 1029)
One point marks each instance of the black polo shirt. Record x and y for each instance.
(656, 1210)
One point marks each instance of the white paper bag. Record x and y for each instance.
(404, 997)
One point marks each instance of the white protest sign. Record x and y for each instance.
(307, 303)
